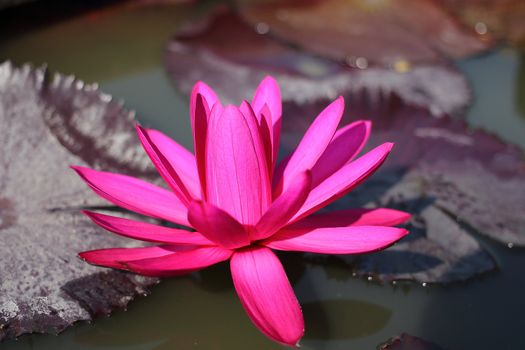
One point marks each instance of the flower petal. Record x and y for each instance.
(284, 207)
(344, 180)
(217, 225)
(164, 167)
(312, 145)
(346, 144)
(266, 294)
(271, 145)
(202, 101)
(116, 257)
(180, 262)
(180, 159)
(147, 232)
(352, 217)
(264, 132)
(136, 195)
(267, 106)
(236, 172)
(337, 240)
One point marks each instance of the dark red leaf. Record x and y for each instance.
(503, 19)
(378, 32)
(233, 58)
(408, 342)
(453, 179)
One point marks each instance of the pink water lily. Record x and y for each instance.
(243, 204)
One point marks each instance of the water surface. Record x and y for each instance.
(122, 51)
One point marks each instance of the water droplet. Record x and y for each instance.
(481, 28)
(510, 245)
(361, 63)
(402, 66)
(262, 28)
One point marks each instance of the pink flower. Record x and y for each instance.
(242, 206)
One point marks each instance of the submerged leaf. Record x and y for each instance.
(47, 125)
(408, 342)
(374, 32)
(234, 68)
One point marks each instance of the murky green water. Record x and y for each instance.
(122, 51)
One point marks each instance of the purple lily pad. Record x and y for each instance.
(454, 180)
(378, 32)
(206, 51)
(408, 342)
(470, 174)
(49, 124)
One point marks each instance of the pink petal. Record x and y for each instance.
(344, 180)
(267, 132)
(180, 159)
(165, 169)
(135, 195)
(264, 132)
(236, 172)
(202, 101)
(312, 145)
(180, 262)
(268, 93)
(209, 99)
(266, 294)
(116, 257)
(346, 144)
(217, 225)
(352, 217)
(337, 240)
(147, 232)
(284, 207)
(267, 106)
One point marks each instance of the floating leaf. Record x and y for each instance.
(388, 33)
(205, 51)
(471, 174)
(408, 342)
(503, 19)
(47, 125)
(453, 179)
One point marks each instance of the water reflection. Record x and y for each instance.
(343, 319)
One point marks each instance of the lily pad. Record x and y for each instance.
(455, 180)
(503, 19)
(408, 342)
(49, 123)
(470, 174)
(376, 32)
(205, 51)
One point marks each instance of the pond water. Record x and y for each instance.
(122, 51)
